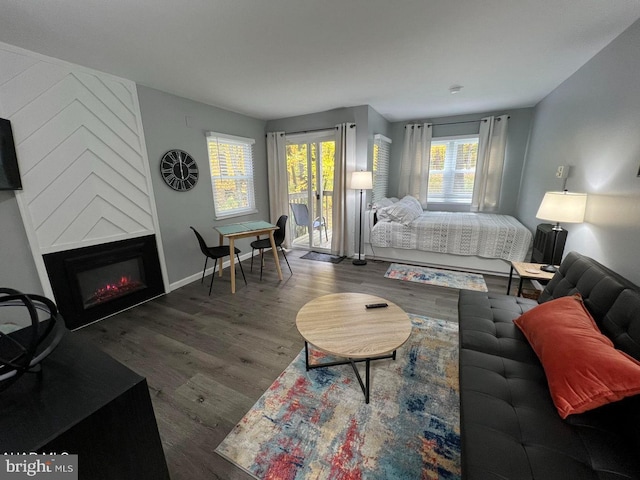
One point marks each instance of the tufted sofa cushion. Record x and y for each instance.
(510, 428)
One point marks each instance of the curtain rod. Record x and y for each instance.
(311, 131)
(314, 130)
(457, 123)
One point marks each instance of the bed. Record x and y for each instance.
(403, 232)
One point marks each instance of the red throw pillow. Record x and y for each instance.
(583, 369)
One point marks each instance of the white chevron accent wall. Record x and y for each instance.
(81, 153)
(79, 146)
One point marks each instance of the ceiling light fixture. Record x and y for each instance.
(453, 89)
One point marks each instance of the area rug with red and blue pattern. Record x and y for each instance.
(435, 276)
(316, 425)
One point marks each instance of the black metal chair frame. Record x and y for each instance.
(278, 237)
(215, 253)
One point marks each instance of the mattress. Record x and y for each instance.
(461, 233)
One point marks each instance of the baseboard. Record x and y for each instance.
(197, 276)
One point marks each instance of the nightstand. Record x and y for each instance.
(527, 270)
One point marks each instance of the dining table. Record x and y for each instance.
(234, 231)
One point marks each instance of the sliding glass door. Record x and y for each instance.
(310, 167)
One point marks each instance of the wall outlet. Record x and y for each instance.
(562, 171)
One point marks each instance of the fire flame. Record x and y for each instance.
(115, 289)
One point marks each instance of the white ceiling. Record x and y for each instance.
(271, 59)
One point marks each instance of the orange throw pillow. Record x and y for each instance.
(584, 370)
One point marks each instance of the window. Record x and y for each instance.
(381, 154)
(452, 169)
(231, 163)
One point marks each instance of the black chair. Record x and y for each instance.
(215, 253)
(278, 237)
(301, 218)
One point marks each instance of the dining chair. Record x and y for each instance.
(215, 253)
(278, 237)
(301, 218)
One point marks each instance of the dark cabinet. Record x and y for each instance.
(543, 245)
(86, 403)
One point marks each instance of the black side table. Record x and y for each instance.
(89, 404)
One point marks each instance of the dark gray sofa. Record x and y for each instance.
(510, 428)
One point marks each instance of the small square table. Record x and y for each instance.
(242, 230)
(527, 270)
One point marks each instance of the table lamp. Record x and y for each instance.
(562, 207)
(361, 181)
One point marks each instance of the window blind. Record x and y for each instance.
(381, 155)
(231, 164)
(452, 169)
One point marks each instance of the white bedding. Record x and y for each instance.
(482, 234)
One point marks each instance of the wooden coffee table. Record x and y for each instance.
(340, 325)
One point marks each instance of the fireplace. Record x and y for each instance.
(95, 282)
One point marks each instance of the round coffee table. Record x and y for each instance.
(340, 324)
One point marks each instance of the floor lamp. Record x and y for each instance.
(361, 181)
(562, 207)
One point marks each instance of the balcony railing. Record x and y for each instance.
(299, 233)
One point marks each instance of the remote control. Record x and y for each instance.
(376, 305)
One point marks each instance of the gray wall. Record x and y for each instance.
(172, 122)
(329, 119)
(368, 122)
(592, 122)
(18, 268)
(517, 137)
(377, 125)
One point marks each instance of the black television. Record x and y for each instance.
(9, 172)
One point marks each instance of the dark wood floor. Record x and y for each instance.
(208, 359)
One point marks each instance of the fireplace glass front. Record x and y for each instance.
(106, 283)
(95, 282)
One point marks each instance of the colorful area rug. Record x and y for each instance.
(434, 276)
(322, 257)
(315, 425)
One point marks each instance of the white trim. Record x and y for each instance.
(94, 242)
(34, 245)
(37, 250)
(231, 138)
(450, 194)
(248, 146)
(236, 213)
(311, 137)
(197, 276)
(471, 136)
(470, 263)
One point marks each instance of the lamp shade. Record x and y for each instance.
(563, 207)
(361, 180)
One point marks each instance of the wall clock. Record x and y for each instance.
(179, 170)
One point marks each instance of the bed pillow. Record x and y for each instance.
(583, 369)
(403, 211)
(385, 202)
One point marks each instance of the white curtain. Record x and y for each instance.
(277, 172)
(492, 144)
(343, 223)
(416, 155)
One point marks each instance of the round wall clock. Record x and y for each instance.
(179, 170)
